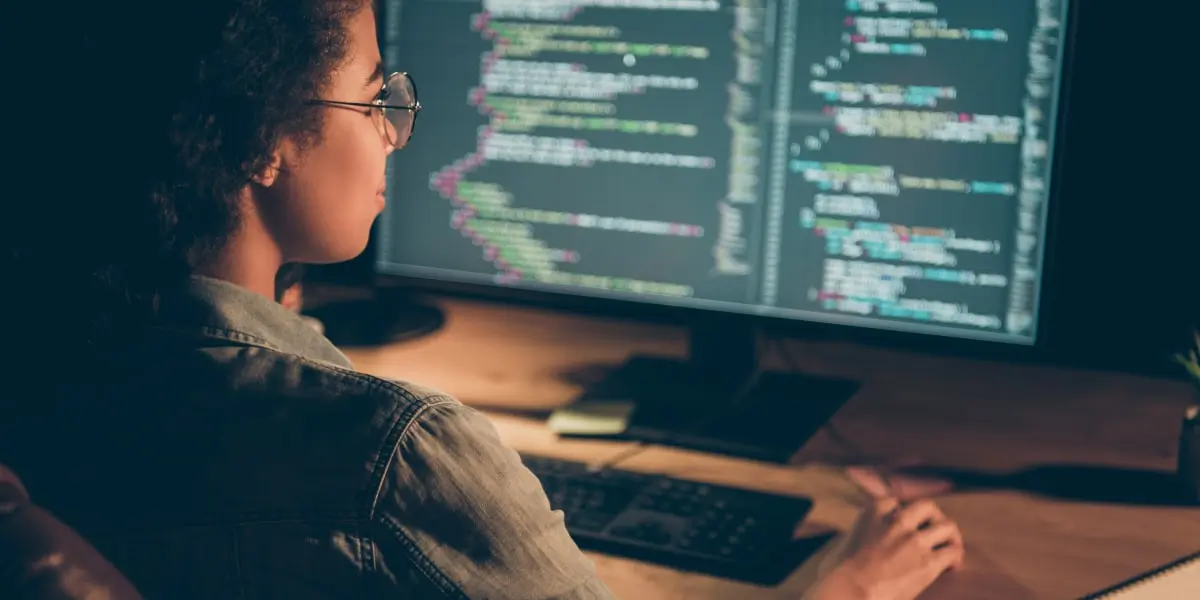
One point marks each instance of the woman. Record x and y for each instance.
(205, 439)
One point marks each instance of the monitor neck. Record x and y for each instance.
(724, 350)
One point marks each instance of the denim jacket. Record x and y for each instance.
(238, 455)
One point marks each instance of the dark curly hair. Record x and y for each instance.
(174, 106)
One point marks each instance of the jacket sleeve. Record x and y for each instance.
(460, 514)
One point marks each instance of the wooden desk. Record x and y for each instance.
(961, 413)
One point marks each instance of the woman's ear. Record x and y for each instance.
(268, 175)
(286, 154)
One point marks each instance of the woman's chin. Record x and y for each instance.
(340, 251)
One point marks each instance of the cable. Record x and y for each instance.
(625, 454)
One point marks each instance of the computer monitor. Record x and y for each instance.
(869, 164)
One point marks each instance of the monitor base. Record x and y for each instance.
(386, 319)
(677, 403)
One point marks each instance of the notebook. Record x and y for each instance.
(1179, 580)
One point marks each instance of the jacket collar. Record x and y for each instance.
(218, 310)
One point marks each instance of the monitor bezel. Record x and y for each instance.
(1042, 349)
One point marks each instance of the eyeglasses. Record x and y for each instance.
(398, 108)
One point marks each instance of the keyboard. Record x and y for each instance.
(723, 531)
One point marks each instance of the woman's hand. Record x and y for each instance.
(903, 549)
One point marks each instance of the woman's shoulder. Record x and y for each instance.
(298, 384)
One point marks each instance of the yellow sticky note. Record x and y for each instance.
(591, 418)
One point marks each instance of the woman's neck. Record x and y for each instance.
(248, 261)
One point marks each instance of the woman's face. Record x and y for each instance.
(320, 206)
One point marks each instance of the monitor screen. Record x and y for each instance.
(874, 163)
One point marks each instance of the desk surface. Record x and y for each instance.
(515, 364)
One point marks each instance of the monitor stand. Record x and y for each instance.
(717, 400)
(391, 315)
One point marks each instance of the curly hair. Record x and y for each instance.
(188, 99)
